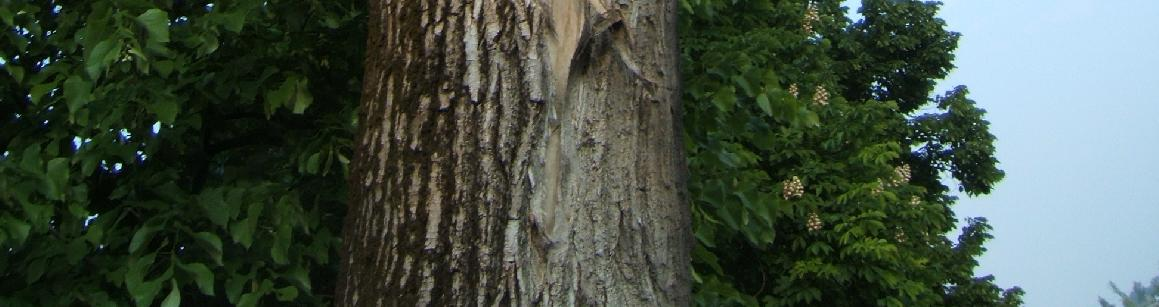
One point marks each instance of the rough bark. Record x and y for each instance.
(519, 152)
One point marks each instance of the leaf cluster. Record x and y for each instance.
(174, 151)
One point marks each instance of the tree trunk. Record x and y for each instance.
(519, 152)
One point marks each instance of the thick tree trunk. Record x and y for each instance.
(519, 152)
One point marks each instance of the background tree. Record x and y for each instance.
(174, 151)
(519, 153)
(1140, 296)
(816, 161)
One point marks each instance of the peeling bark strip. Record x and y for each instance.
(519, 152)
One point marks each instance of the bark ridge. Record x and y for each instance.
(519, 152)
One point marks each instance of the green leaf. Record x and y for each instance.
(286, 294)
(141, 291)
(702, 254)
(166, 109)
(30, 159)
(201, 275)
(243, 231)
(281, 243)
(280, 97)
(38, 91)
(100, 56)
(214, 244)
(234, 287)
(142, 236)
(57, 175)
(727, 216)
(174, 297)
(164, 68)
(233, 21)
(724, 98)
(6, 16)
(312, 163)
(17, 230)
(704, 235)
(771, 79)
(330, 22)
(744, 84)
(213, 202)
(77, 93)
(156, 22)
(145, 292)
(763, 102)
(75, 251)
(249, 300)
(301, 276)
(208, 44)
(140, 55)
(809, 118)
(16, 72)
(34, 270)
(302, 98)
(95, 232)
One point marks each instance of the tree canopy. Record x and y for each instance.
(817, 155)
(168, 151)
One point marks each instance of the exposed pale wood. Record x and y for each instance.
(519, 152)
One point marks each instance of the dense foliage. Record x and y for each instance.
(168, 151)
(174, 151)
(817, 160)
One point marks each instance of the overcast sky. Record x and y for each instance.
(1071, 87)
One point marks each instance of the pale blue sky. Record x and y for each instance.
(1070, 87)
(1071, 90)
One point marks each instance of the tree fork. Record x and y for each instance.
(519, 153)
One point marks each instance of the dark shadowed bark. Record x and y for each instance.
(519, 152)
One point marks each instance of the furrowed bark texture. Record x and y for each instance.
(519, 152)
